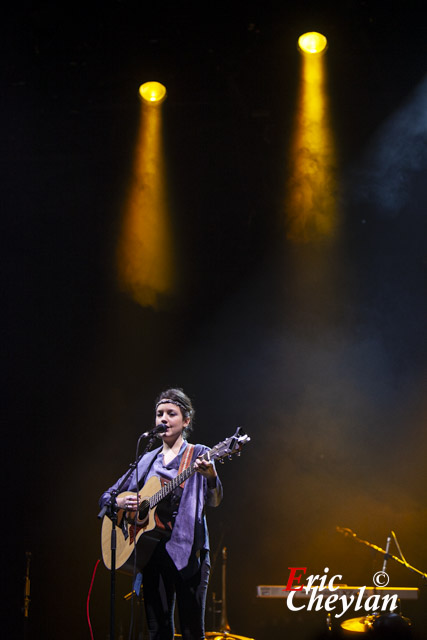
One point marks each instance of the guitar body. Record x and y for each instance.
(148, 533)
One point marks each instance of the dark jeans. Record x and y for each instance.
(162, 584)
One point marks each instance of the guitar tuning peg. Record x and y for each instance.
(221, 461)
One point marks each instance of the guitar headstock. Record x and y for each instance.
(229, 446)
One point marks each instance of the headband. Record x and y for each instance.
(179, 404)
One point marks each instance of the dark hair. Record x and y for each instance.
(178, 397)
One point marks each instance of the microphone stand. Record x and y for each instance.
(27, 593)
(384, 552)
(386, 556)
(110, 507)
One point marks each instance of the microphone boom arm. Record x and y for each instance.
(349, 532)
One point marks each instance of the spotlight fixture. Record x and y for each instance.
(152, 92)
(313, 43)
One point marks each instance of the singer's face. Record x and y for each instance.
(171, 415)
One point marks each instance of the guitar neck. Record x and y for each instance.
(173, 484)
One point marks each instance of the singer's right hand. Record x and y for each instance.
(128, 502)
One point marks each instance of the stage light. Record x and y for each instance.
(312, 43)
(152, 92)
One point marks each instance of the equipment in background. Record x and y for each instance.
(225, 630)
(372, 622)
(27, 598)
(27, 585)
(383, 622)
(279, 591)
(389, 621)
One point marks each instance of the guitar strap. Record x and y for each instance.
(185, 460)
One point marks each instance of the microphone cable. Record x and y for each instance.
(88, 598)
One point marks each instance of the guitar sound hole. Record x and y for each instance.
(143, 510)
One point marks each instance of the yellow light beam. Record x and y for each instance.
(311, 197)
(145, 262)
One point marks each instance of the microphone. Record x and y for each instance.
(160, 428)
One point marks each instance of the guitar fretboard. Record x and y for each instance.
(173, 484)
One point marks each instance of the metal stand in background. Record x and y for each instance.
(387, 549)
(27, 591)
(225, 631)
(224, 626)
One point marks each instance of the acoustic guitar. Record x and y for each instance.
(141, 530)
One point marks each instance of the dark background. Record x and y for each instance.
(318, 351)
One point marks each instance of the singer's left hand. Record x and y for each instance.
(206, 468)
